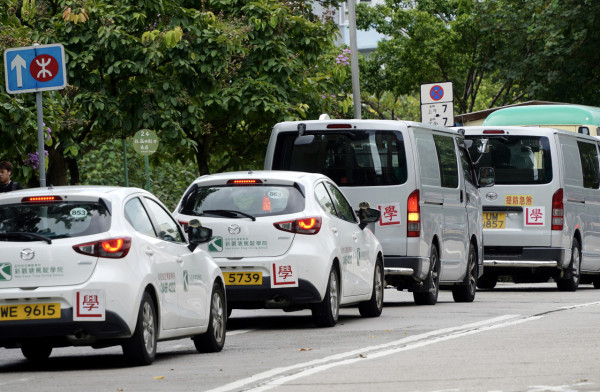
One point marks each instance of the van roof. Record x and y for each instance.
(333, 125)
(544, 131)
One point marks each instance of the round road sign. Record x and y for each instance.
(436, 92)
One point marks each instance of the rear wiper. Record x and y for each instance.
(18, 234)
(229, 213)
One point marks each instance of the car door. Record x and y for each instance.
(455, 228)
(191, 272)
(159, 263)
(361, 265)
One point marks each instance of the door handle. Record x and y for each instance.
(179, 259)
(334, 229)
(149, 251)
(461, 196)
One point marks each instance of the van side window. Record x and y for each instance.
(589, 163)
(447, 160)
(467, 166)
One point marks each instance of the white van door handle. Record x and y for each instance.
(149, 252)
(334, 229)
(179, 259)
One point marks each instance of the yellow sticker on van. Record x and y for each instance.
(518, 200)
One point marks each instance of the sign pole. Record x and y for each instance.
(147, 172)
(40, 129)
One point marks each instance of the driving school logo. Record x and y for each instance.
(216, 244)
(5, 272)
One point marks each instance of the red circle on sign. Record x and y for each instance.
(44, 68)
(436, 92)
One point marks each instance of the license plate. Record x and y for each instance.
(29, 312)
(494, 220)
(242, 278)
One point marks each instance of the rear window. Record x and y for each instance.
(351, 158)
(254, 200)
(515, 159)
(56, 220)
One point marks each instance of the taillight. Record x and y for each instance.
(310, 225)
(266, 204)
(493, 132)
(244, 182)
(558, 210)
(113, 248)
(40, 199)
(413, 215)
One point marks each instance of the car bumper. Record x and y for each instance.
(524, 257)
(263, 296)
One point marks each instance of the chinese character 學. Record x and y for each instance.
(390, 212)
(285, 271)
(90, 302)
(535, 214)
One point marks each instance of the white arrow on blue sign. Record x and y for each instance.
(35, 68)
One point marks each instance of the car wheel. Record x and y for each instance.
(374, 306)
(140, 349)
(573, 272)
(430, 296)
(487, 281)
(214, 338)
(36, 351)
(325, 313)
(466, 291)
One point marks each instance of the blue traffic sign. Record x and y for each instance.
(35, 68)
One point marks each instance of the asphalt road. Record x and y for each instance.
(526, 338)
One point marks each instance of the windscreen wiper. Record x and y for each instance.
(19, 234)
(229, 213)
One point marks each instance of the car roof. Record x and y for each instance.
(284, 177)
(74, 191)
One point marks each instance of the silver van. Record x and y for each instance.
(542, 216)
(421, 179)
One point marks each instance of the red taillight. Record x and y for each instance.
(113, 248)
(558, 210)
(244, 182)
(493, 132)
(310, 225)
(413, 215)
(40, 199)
(266, 204)
(339, 126)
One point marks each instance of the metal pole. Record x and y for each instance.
(354, 58)
(40, 129)
(125, 161)
(147, 172)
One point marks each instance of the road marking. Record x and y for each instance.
(338, 359)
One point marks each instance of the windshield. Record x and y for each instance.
(242, 201)
(351, 158)
(56, 220)
(515, 159)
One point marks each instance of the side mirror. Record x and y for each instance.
(487, 177)
(198, 234)
(367, 215)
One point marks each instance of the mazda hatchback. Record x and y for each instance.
(288, 240)
(103, 266)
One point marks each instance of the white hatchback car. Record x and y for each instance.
(288, 240)
(103, 266)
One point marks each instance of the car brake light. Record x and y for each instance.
(310, 225)
(339, 126)
(493, 132)
(244, 182)
(413, 215)
(113, 248)
(558, 210)
(40, 199)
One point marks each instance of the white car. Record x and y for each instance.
(288, 240)
(103, 266)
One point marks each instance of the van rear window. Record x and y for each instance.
(515, 159)
(349, 158)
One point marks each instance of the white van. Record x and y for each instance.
(421, 179)
(542, 216)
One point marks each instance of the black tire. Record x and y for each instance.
(213, 339)
(430, 296)
(36, 351)
(466, 291)
(325, 314)
(140, 349)
(571, 282)
(487, 281)
(374, 306)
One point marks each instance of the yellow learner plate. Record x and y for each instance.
(242, 278)
(29, 312)
(494, 220)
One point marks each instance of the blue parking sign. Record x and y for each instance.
(35, 68)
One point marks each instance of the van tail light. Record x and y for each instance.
(310, 225)
(413, 215)
(113, 248)
(558, 210)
